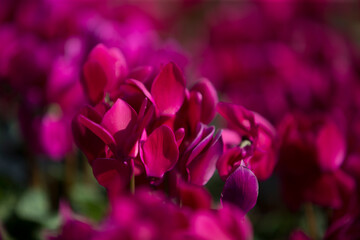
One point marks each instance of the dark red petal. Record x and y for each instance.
(90, 144)
(94, 81)
(168, 89)
(194, 196)
(241, 189)
(159, 152)
(99, 131)
(112, 174)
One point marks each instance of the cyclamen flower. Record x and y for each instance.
(144, 132)
(151, 216)
(250, 143)
(250, 139)
(311, 153)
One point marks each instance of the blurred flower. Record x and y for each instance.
(311, 153)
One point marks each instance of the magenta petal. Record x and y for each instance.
(207, 137)
(237, 116)
(99, 131)
(194, 196)
(120, 121)
(159, 152)
(202, 167)
(231, 138)
(228, 162)
(241, 189)
(112, 174)
(194, 109)
(141, 74)
(119, 117)
(209, 100)
(103, 69)
(141, 87)
(168, 89)
(88, 142)
(179, 136)
(331, 147)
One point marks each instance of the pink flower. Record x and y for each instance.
(251, 139)
(311, 153)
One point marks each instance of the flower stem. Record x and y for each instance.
(132, 180)
(70, 171)
(311, 220)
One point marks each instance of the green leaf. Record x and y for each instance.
(33, 205)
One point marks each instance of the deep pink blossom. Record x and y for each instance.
(311, 153)
(258, 137)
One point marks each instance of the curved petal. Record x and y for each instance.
(88, 142)
(142, 73)
(99, 131)
(112, 174)
(202, 167)
(238, 117)
(209, 100)
(168, 89)
(159, 152)
(119, 117)
(228, 162)
(120, 121)
(194, 108)
(241, 189)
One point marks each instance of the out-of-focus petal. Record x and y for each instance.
(159, 152)
(331, 147)
(194, 196)
(241, 189)
(102, 71)
(94, 81)
(238, 117)
(141, 74)
(168, 89)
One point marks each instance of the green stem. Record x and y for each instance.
(70, 171)
(132, 180)
(311, 220)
